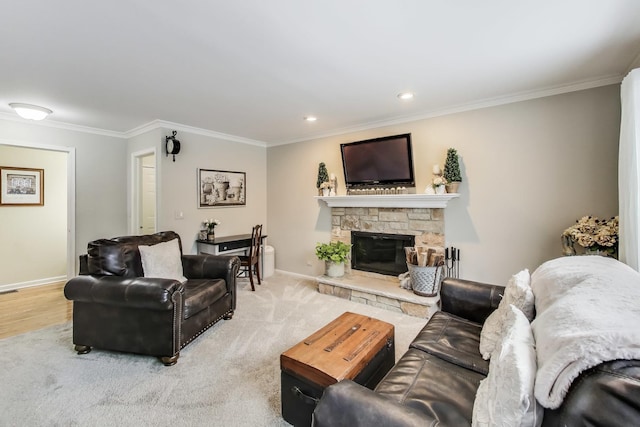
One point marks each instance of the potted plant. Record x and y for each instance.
(334, 254)
(323, 177)
(210, 225)
(452, 171)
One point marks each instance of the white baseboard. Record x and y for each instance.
(32, 283)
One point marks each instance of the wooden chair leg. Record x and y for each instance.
(258, 272)
(253, 288)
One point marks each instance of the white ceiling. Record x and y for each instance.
(254, 68)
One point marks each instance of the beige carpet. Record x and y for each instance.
(230, 376)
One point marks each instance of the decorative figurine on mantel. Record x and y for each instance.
(333, 185)
(437, 183)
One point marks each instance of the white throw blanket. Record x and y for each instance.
(587, 312)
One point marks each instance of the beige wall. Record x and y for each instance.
(100, 179)
(35, 231)
(178, 183)
(530, 169)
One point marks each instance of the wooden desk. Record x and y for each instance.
(226, 245)
(230, 245)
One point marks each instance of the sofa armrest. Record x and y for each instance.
(606, 395)
(347, 404)
(468, 299)
(140, 292)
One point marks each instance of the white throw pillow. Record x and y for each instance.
(517, 292)
(162, 260)
(505, 397)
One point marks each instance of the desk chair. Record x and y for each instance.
(251, 262)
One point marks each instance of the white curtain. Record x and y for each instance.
(629, 171)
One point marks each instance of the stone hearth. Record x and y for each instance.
(378, 291)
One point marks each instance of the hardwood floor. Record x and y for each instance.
(33, 308)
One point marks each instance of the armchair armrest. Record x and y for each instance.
(139, 292)
(347, 404)
(468, 299)
(212, 267)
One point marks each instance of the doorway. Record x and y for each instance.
(144, 213)
(57, 245)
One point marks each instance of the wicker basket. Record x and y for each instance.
(425, 281)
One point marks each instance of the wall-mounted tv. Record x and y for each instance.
(380, 161)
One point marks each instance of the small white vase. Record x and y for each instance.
(325, 192)
(334, 269)
(440, 189)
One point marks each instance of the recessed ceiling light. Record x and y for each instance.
(30, 112)
(310, 118)
(405, 96)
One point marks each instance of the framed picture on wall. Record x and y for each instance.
(221, 188)
(21, 186)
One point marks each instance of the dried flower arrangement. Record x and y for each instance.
(593, 233)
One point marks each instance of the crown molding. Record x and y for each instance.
(162, 124)
(634, 64)
(147, 127)
(61, 125)
(486, 103)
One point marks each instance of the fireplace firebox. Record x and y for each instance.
(380, 252)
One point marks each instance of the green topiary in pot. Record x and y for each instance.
(452, 171)
(323, 176)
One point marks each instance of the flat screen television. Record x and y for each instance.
(380, 161)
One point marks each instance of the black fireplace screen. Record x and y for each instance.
(380, 252)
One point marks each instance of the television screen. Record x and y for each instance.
(382, 161)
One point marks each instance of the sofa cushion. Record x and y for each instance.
(440, 389)
(517, 292)
(505, 397)
(453, 339)
(201, 293)
(162, 260)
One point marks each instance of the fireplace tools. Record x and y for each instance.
(452, 262)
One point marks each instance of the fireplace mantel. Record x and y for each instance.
(390, 200)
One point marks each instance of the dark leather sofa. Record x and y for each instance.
(116, 308)
(435, 382)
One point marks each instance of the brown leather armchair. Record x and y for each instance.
(116, 308)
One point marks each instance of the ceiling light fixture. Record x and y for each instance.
(30, 112)
(310, 118)
(405, 96)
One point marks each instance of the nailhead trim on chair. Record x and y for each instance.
(205, 328)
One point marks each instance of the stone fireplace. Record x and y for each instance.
(417, 216)
(426, 225)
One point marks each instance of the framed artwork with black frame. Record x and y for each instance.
(218, 188)
(21, 186)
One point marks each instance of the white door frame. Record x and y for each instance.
(71, 195)
(136, 179)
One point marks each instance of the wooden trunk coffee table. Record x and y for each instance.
(353, 347)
